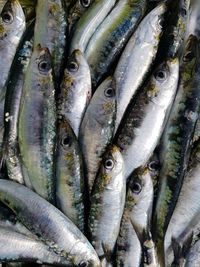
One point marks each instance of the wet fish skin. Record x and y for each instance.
(129, 77)
(12, 26)
(37, 124)
(88, 23)
(15, 246)
(76, 11)
(69, 175)
(193, 259)
(176, 141)
(76, 90)
(138, 134)
(111, 36)
(107, 201)
(52, 226)
(98, 123)
(51, 31)
(183, 214)
(12, 104)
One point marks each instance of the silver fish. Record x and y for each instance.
(107, 201)
(141, 129)
(76, 90)
(97, 127)
(52, 226)
(141, 49)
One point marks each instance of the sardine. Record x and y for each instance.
(69, 175)
(89, 22)
(176, 140)
(145, 119)
(37, 124)
(12, 104)
(12, 26)
(75, 90)
(97, 127)
(141, 49)
(110, 37)
(52, 226)
(107, 201)
(51, 30)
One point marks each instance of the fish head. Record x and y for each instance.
(191, 52)
(12, 20)
(84, 255)
(112, 166)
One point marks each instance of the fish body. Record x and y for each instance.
(107, 201)
(12, 27)
(51, 30)
(139, 134)
(37, 124)
(140, 49)
(75, 90)
(51, 225)
(175, 142)
(111, 36)
(12, 105)
(98, 124)
(69, 175)
(89, 22)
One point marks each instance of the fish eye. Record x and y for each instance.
(7, 17)
(44, 66)
(73, 66)
(153, 165)
(85, 3)
(109, 92)
(66, 141)
(136, 188)
(83, 264)
(160, 75)
(109, 164)
(188, 56)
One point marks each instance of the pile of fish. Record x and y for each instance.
(100, 133)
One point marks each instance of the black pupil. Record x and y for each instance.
(6, 17)
(153, 165)
(136, 187)
(43, 65)
(66, 141)
(109, 163)
(109, 92)
(161, 75)
(189, 56)
(73, 66)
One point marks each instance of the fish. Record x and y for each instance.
(183, 214)
(97, 128)
(88, 23)
(76, 11)
(69, 174)
(51, 32)
(107, 201)
(15, 246)
(112, 35)
(76, 90)
(139, 200)
(193, 259)
(129, 76)
(12, 105)
(37, 125)
(128, 248)
(175, 143)
(138, 134)
(47, 222)
(176, 22)
(149, 251)
(12, 27)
